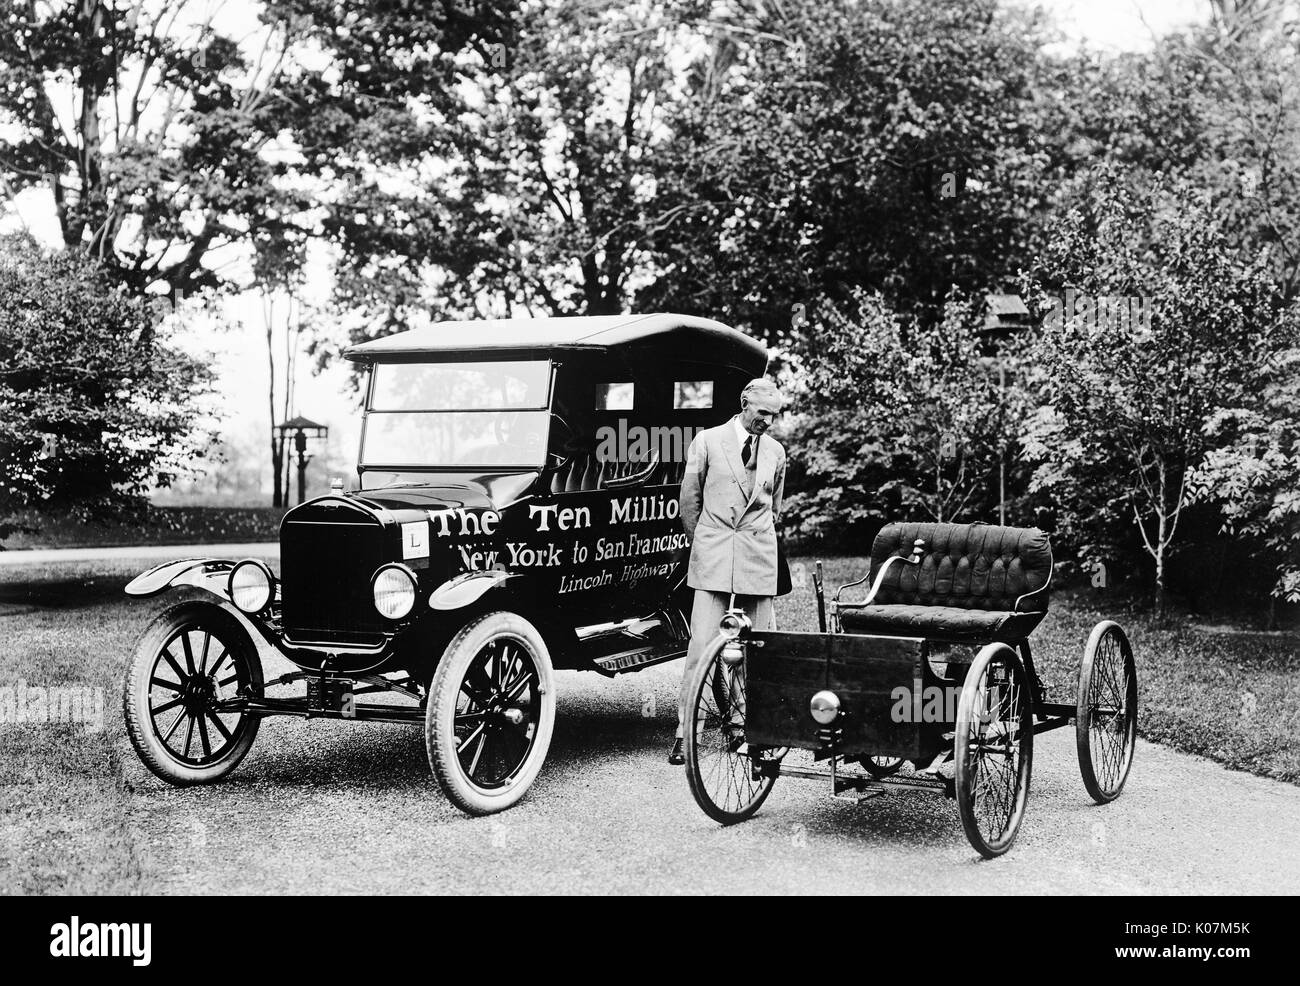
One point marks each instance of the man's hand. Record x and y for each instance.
(691, 502)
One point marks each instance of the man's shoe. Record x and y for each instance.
(677, 758)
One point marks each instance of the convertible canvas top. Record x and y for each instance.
(673, 335)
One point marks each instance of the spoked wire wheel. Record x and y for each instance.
(191, 670)
(993, 749)
(1106, 721)
(491, 712)
(729, 778)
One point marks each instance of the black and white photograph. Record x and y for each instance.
(650, 448)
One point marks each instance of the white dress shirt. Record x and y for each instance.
(741, 436)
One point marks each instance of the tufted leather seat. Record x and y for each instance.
(976, 583)
(580, 472)
(587, 472)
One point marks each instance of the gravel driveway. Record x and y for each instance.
(329, 807)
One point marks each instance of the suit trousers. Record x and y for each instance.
(706, 612)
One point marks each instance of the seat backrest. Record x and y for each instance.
(971, 566)
(575, 474)
(587, 472)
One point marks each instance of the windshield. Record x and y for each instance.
(458, 414)
(516, 385)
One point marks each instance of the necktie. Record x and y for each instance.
(749, 445)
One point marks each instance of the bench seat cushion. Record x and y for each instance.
(968, 566)
(941, 622)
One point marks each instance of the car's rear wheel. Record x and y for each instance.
(190, 665)
(491, 712)
(1106, 720)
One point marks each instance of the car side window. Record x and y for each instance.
(692, 394)
(615, 396)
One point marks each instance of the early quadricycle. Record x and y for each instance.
(870, 694)
(517, 512)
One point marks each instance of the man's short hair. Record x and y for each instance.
(763, 386)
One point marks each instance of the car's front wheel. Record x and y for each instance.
(183, 691)
(490, 713)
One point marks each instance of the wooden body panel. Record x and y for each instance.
(785, 670)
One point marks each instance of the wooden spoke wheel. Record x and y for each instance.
(490, 714)
(1106, 722)
(181, 698)
(993, 749)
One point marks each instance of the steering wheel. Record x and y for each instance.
(568, 446)
(500, 427)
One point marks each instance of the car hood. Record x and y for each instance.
(468, 496)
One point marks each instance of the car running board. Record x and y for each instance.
(634, 660)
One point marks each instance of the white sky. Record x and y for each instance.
(239, 355)
(1124, 25)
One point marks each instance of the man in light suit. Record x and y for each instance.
(730, 502)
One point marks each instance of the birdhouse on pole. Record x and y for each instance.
(1005, 314)
(302, 429)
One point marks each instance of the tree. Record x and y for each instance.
(95, 408)
(833, 145)
(1128, 398)
(278, 272)
(733, 159)
(1216, 106)
(524, 184)
(292, 337)
(154, 133)
(898, 418)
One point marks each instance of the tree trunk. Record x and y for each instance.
(277, 451)
(1162, 544)
(1160, 582)
(277, 456)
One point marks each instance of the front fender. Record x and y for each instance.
(468, 588)
(205, 573)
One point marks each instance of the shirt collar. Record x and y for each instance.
(741, 433)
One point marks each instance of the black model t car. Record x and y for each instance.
(517, 512)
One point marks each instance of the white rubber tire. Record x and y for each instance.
(153, 752)
(440, 713)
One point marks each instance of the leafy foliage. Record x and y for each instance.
(94, 408)
(1255, 475)
(726, 158)
(900, 418)
(524, 183)
(1128, 398)
(837, 145)
(153, 133)
(1217, 107)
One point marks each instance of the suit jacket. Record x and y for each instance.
(732, 527)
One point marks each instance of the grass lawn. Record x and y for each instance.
(1234, 697)
(71, 626)
(168, 525)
